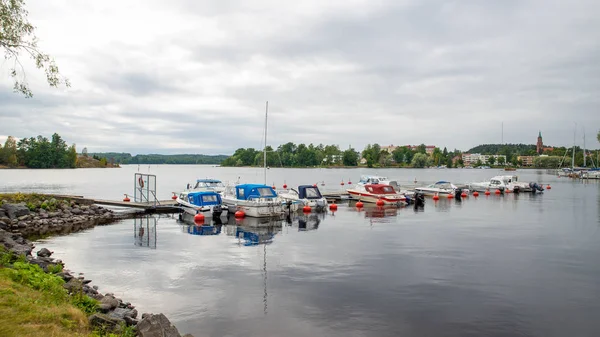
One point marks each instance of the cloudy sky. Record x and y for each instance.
(193, 76)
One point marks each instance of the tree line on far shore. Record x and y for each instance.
(39, 152)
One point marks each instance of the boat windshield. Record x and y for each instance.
(210, 184)
(209, 198)
(265, 192)
(388, 189)
(495, 182)
(312, 193)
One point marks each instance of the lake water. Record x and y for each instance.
(512, 265)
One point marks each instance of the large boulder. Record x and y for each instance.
(106, 323)
(44, 252)
(15, 243)
(156, 326)
(15, 211)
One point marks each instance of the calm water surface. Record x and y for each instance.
(497, 266)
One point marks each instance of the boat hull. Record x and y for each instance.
(316, 204)
(192, 209)
(388, 199)
(255, 209)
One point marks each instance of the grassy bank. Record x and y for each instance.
(35, 303)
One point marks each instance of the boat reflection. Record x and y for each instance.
(144, 232)
(206, 229)
(306, 222)
(254, 231)
(380, 212)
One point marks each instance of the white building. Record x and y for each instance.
(469, 159)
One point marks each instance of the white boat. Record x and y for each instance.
(305, 195)
(196, 202)
(255, 200)
(440, 188)
(374, 192)
(502, 183)
(207, 185)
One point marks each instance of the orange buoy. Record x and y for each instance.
(174, 197)
(342, 183)
(333, 207)
(507, 191)
(497, 192)
(314, 185)
(359, 204)
(379, 202)
(349, 182)
(436, 197)
(548, 187)
(240, 214)
(487, 192)
(306, 209)
(475, 194)
(126, 199)
(284, 186)
(464, 195)
(450, 196)
(199, 218)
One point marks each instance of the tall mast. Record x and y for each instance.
(502, 133)
(265, 149)
(584, 148)
(573, 160)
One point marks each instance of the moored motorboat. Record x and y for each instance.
(376, 192)
(196, 202)
(439, 188)
(255, 200)
(305, 195)
(369, 179)
(208, 184)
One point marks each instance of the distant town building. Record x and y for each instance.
(471, 158)
(526, 160)
(390, 148)
(540, 144)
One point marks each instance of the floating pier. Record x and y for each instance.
(159, 206)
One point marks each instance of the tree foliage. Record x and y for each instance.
(505, 149)
(421, 160)
(17, 37)
(39, 152)
(547, 162)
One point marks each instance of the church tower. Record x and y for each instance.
(540, 144)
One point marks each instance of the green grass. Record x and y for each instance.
(34, 303)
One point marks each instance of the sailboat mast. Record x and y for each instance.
(584, 165)
(265, 149)
(573, 160)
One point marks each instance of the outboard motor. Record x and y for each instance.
(517, 189)
(419, 200)
(535, 187)
(217, 210)
(458, 194)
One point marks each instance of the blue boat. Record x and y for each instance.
(255, 200)
(196, 202)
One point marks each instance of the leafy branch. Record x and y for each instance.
(17, 36)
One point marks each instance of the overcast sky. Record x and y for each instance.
(189, 76)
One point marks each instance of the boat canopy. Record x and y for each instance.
(204, 198)
(380, 189)
(309, 192)
(372, 179)
(252, 191)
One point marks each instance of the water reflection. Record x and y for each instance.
(306, 222)
(206, 229)
(144, 232)
(378, 213)
(255, 231)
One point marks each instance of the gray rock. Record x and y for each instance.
(156, 326)
(130, 321)
(44, 252)
(2, 213)
(106, 323)
(15, 243)
(15, 211)
(73, 286)
(113, 302)
(76, 211)
(188, 335)
(122, 313)
(104, 308)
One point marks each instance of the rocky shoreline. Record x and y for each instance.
(21, 221)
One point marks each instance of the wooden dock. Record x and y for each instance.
(161, 206)
(336, 195)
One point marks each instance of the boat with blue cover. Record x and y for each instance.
(305, 195)
(195, 202)
(255, 200)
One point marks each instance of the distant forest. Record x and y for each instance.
(127, 158)
(39, 152)
(505, 149)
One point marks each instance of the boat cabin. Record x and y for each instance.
(380, 189)
(309, 192)
(442, 184)
(202, 198)
(208, 183)
(254, 191)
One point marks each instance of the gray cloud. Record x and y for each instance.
(195, 78)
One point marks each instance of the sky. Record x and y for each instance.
(189, 76)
